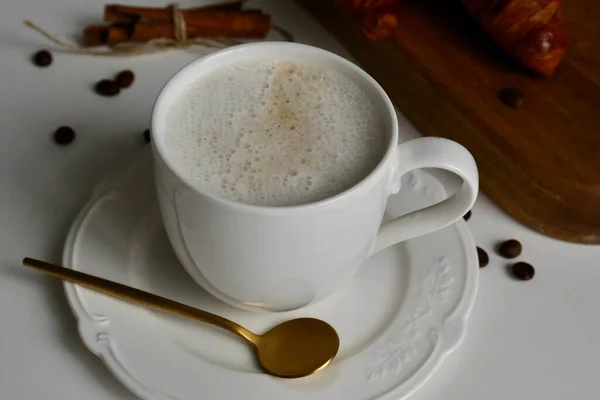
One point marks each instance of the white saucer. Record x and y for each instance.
(399, 317)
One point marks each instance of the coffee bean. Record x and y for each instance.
(467, 215)
(125, 78)
(147, 136)
(106, 87)
(64, 135)
(512, 97)
(510, 248)
(42, 58)
(484, 259)
(523, 271)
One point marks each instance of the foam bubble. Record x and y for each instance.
(275, 133)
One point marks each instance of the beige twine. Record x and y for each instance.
(153, 46)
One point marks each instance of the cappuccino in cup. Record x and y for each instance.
(275, 133)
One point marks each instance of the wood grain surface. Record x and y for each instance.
(541, 162)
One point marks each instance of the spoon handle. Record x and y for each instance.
(138, 296)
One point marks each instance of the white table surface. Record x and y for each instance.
(526, 340)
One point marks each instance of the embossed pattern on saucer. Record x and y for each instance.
(400, 316)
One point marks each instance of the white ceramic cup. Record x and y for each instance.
(284, 258)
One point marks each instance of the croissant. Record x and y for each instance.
(531, 31)
(377, 18)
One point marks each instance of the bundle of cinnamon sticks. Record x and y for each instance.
(142, 24)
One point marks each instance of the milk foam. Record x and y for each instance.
(274, 133)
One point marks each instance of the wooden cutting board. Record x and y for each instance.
(541, 162)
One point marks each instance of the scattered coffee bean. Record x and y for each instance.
(510, 248)
(484, 259)
(42, 58)
(512, 97)
(106, 87)
(125, 78)
(147, 136)
(467, 215)
(523, 271)
(64, 135)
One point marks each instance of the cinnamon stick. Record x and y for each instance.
(208, 25)
(124, 13)
(249, 23)
(139, 24)
(144, 31)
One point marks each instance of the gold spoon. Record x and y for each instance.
(292, 349)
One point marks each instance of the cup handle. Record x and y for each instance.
(430, 152)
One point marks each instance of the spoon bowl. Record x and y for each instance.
(298, 347)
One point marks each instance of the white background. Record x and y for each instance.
(526, 340)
